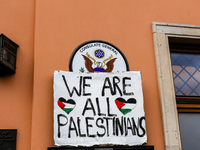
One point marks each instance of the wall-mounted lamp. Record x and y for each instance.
(8, 55)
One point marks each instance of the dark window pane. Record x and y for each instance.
(190, 132)
(186, 71)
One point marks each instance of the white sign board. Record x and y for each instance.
(98, 108)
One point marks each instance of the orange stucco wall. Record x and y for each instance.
(49, 31)
(16, 91)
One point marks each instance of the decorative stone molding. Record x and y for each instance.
(161, 32)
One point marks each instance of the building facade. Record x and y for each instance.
(48, 32)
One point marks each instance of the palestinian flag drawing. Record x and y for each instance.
(66, 105)
(125, 106)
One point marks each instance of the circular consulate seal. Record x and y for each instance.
(97, 56)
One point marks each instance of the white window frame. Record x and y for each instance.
(161, 33)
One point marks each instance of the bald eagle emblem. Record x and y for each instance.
(107, 63)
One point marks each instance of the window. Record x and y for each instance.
(163, 33)
(185, 59)
(186, 71)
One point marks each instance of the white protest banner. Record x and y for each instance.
(98, 108)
